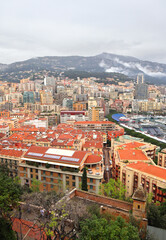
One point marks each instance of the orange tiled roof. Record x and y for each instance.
(11, 152)
(132, 145)
(65, 136)
(42, 140)
(80, 155)
(27, 227)
(93, 144)
(149, 169)
(132, 154)
(93, 122)
(93, 159)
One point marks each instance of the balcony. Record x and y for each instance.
(95, 171)
(70, 169)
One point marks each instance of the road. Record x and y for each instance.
(107, 168)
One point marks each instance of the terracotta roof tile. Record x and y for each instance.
(132, 154)
(93, 159)
(132, 145)
(93, 122)
(11, 152)
(149, 169)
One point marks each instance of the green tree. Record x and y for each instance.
(156, 215)
(6, 231)
(35, 186)
(153, 215)
(114, 189)
(84, 180)
(100, 228)
(10, 191)
(57, 228)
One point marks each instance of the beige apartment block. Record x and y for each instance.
(162, 158)
(151, 177)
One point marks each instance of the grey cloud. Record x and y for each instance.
(69, 27)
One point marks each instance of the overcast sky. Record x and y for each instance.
(31, 28)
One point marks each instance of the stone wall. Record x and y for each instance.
(109, 202)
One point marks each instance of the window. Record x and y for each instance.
(59, 175)
(73, 177)
(91, 180)
(36, 171)
(44, 185)
(51, 179)
(52, 186)
(91, 186)
(67, 177)
(31, 175)
(44, 178)
(138, 206)
(36, 177)
(51, 174)
(24, 169)
(44, 172)
(31, 170)
(67, 183)
(73, 184)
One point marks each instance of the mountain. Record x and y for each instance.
(105, 62)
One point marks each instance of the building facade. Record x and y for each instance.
(59, 169)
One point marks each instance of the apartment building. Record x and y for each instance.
(72, 115)
(93, 146)
(28, 97)
(60, 169)
(128, 153)
(80, 106)
(162, 158)
(104, 126)
(96, 114)
(11, 158)
(116, 133)
(46, 98)
(147, 105)
(49, 108)
(5, 114)
(132, 143)
(4, 129)
(92, 102)
(151, 177)
(11, 122)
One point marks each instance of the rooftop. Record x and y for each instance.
(93, 159)
(132, 145)
(153, 170)
(132, 154)
(55, 155)
(139, 194)
(94, 122)
(11, 152)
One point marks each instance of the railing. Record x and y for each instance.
(70, 169)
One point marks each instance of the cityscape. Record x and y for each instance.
(53, 129)
(82, 120)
